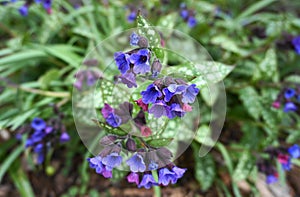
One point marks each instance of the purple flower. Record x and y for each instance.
(285, 161)
(159, 109)
(289, 93)
(107, 173)
(296, 43)
(176, 110)
(48, 129)
(38, 124)
(294, 151)
(96, 163)
(133, 178)
(290, 106)
(128, 79)
(47, 4)
(166, 176)
(64, 137)
(179, 172)
(39, 150)
(113, 120)
(184, 14)
(122, 61)
(151, 94)
(140, 61)
(136, 163)
(23, 10)
(131, 17)
(147, 181)
(36, 137)
(106, 110)
(190, 94)
(271, 179)
(134, 39)
(112, 160)
(192, 22)
(90, 78)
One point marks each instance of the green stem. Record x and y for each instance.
(157, 190)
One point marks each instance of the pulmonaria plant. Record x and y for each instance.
(282, 155)
(149, 163)
(44, 135)
(289, 98)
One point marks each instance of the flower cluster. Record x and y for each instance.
(290, 97)
(90, 74)
(169, 97)
(141, 163)
(283, 156)
(23, 10)
(188, 15)
(136, 61)
(42, 135)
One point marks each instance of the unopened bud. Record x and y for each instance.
(131, 145)
(143, 42)
(156, 67)
(107, 140)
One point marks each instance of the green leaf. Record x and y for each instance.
(205, 170)
(118, 175)
(251, 102)
(254, 8)
(10, 160)
(159, 142)
(109, 129)
(243, 167)
(267, 68)
(228, 44)
(209, 95)
(293, 79)
(200, 74)
(48, 77)
(145, 29)
(203, 135)
(22, 56)
(226, 157)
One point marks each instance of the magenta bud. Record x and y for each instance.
(131, 145)
(107, 140)
(276, 104)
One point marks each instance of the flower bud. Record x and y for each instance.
(143, 42)
(156, 67)
(107, 140)
(131, 145)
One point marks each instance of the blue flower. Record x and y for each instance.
(289, 93)
(47, 4)
(39, 150)
(271, 179)
(184, 14)
(294, 151)
(122, 61)
(136, 163)
(166, 176)
(290, 106)
(192, 22)
(128, 79)
(296, 43)
(112, 160)
(173, 89)
(134, 39)
(147, 181)
(133, 178)
(113, 120)
(159, 108)
(190, 94)
(38, 124)
(23, 10)
(64, 137)
(140, 60)
(36, 137)
(96, 163)
(151, 94)
(131, 17)
(176, 110)
(106, 110)
(153, 166)
(179, 172)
